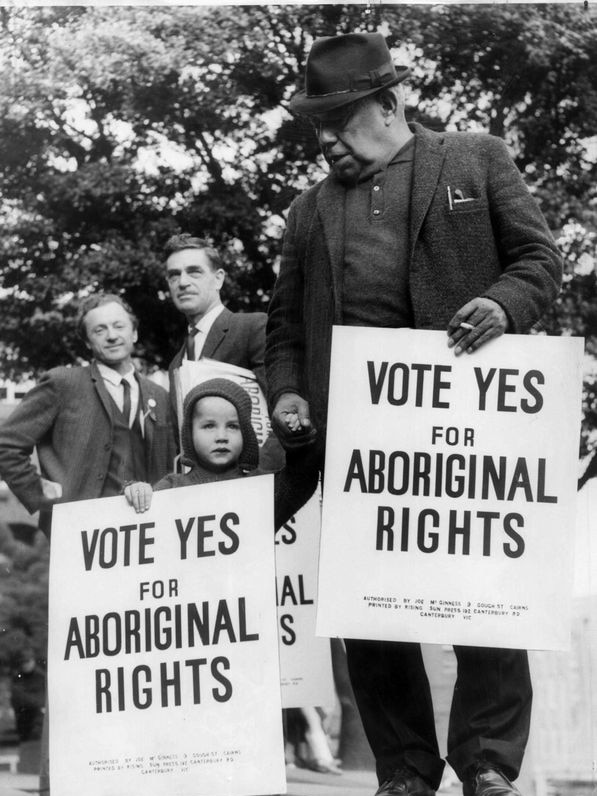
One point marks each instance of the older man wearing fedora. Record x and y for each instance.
(411, 228)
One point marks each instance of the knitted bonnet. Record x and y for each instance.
(239, 398)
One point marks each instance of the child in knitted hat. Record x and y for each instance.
(219, 443)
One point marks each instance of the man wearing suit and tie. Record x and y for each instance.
(195, 277)
(429, 231)
(94, 428)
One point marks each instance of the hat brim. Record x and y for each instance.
(303, 105)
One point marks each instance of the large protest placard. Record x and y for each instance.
(449, 499)
(163, 645)
(305, 660)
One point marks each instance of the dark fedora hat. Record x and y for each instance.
(343, 69)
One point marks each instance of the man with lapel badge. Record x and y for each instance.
(94, 428)
(425, 230)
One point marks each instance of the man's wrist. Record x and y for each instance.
(275, 397)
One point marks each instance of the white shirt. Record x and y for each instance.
(203, 327)
(112, 380)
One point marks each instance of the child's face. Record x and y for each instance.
(217, 438)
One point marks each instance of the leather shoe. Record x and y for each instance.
(404, 782)
(488, 781)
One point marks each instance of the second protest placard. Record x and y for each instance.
(163, 646)
(305, 660)
(450, 486)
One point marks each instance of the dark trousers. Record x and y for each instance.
(489, 717)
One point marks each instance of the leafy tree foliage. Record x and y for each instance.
(121, 125)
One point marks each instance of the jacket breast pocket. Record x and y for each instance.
(467, 222)
(468, 206)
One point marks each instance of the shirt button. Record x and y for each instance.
(376, 187)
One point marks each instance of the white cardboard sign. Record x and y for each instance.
(163, 645)
(305, 660)
(450, 489)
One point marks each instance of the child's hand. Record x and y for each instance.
(139, 495)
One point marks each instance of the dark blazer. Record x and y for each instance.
(497, 245)
(67, 418)
(237, 338)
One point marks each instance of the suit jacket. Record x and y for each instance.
(67, 418)
(237, 338)
(497, 245)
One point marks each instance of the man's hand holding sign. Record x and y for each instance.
(478, 322)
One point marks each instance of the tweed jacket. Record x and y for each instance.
(497, 245)
(237, 338)
(67, 418)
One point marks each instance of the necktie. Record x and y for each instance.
(191, 342)
(126, 405)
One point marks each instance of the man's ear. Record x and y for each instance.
(388, 103)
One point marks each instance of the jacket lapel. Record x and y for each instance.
(331, 207)
(98, 383)
(177, 358)
(147, 412)
(216, 334)
(429, 159)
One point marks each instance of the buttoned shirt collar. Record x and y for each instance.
(112, 376)
(203, 326)
(205, 323)
(112, 381)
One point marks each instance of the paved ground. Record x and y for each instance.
(300, 783)
(351, 783)
(17, 784)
